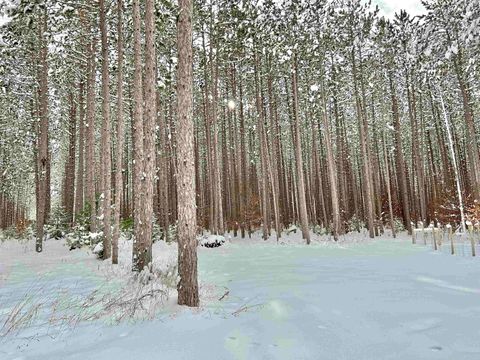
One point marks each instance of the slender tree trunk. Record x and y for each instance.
(137, 137)
(400, 162)
(298, 158)
(90, 134)
(42, 153)
(106, 196)
(163, 172)
(81, 144)
(70, 165)
(219, 217)
(455, 167)
(332, 172)
(472, 146)
(389, 194)
(364, 145)
(120, 137)
(149, 133)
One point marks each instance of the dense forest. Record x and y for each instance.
(239, 179)
(258, 115)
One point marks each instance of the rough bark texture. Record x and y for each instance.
(106, 129)
(400, 162)
(302, 203)
(69, 189)
(187, 222)
(42, 136)
(81, 144)
(90, 135)
(137, 134)
(149, 133)
(120, 137)
(332, 173)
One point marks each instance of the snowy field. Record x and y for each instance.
(359, 299)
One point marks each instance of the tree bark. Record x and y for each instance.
(81, 144)
(187, 222)
(302, 203)
(42, 153)
(400, 162)
(120, 137)
(149, 132)
(106, 140)
(137, 137)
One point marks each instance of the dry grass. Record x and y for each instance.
(136, 300)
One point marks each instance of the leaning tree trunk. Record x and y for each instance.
(187, 222)
(454, 161)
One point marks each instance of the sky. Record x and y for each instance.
(390, 7)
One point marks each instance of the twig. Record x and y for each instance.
(224, 295)
(245, 308)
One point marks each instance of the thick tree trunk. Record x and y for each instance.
(187, 222)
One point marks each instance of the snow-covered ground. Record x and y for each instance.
(357, 299)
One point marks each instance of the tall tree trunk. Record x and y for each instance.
(387, 182)
(302, 203)
(90, 134)
(364, 143)
(163, 172)
(149, 133)
(81, 144)
(244, 191)
(332, 171)
(70, 164)
(42, 152)
(263, 166)
(215, 158)
(106, 196)
(400, 162)
(137, 138)
(472, 146)
(455, 167)
(187, 222)
(120, 137)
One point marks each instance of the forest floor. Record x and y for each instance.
(356, 299)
